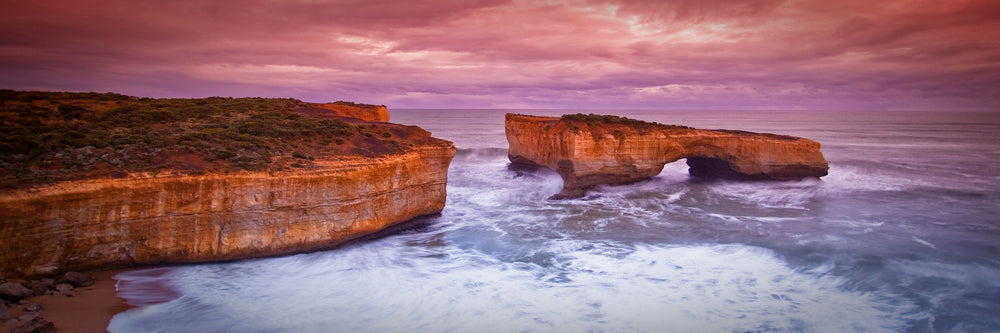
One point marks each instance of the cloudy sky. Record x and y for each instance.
(593, 54)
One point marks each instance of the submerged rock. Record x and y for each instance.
(591, 150)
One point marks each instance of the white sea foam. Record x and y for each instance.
(923, 242)
(372, 288)
(785, 195)
(846, 178)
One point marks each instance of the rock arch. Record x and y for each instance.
(591, 150)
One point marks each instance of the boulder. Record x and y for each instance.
(33, 307)
(13, 291)
(77, 279)
(39, 287)
(35, 325)
(28, 316)
(63, 288)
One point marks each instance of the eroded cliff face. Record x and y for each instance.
(591, 151)
(377, 113)
(81, 225)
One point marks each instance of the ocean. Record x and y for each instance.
(903, 235)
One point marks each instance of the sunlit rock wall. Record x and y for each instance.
(590, 153)
(181, 219)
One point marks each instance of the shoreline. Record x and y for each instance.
(89, 309)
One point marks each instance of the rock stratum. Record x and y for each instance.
(377, 113)
(592, 150)
(365, 178)
(91, 224)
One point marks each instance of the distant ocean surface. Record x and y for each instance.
(902, 236)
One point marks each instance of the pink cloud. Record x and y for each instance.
(739, 54)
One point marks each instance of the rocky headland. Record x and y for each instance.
(592, 150)
(94, 181)
(368, 112)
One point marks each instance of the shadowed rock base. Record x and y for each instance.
(716, 168)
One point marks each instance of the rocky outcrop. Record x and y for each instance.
(13, 292)
(366, 112)
(591, 150)
(79, 225)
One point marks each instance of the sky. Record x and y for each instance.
(587, 54)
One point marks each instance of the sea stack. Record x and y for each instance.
(591, 150)
(235, 178)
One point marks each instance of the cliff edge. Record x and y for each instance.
(591, 150)
(153, 181)
(367, 112)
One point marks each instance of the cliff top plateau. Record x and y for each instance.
(591, 150)
(96, 181)
(47, 137)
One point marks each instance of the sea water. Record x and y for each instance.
(902, 236)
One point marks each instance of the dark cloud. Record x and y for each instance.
(584, 53)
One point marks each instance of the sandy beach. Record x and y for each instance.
(88, 310)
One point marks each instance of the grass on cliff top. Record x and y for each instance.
(596, 120)
(54, 136)
(359, 105)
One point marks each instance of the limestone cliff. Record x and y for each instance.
(377, 113)
(592, 150)
(78, 225)
(92, 180)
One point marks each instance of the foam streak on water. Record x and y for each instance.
(902, 236)
(581, 288)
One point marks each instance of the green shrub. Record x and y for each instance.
(223, 153)
(42, 134)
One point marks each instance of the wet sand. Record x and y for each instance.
(89, 310)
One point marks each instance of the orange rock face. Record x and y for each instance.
(81, 225)
(593, 150)
(365, 112)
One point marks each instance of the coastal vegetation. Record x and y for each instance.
(617, 126)
(596, 120)
(54, 136)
